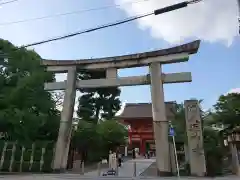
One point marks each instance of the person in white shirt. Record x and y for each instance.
(112, 161)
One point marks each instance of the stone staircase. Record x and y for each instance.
(151, 171)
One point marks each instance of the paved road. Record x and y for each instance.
(125, 173)
(77, 177)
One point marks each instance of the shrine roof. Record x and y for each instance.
(144, 110)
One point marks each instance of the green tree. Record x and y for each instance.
(227, 110)
(86, 139)
(226, 115)
(103, 136)
(214, 151)
(179, 123)
(212, 139)
(27, 111)
(86, 136)
(97, 103)
(113, 134)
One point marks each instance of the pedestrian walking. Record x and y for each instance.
(133, 153)
(119, 159)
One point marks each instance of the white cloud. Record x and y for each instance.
(235, 90)
(209, 20)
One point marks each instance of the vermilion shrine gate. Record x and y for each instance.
(155, 78)
(138, 116)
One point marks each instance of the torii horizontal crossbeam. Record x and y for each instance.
(164, 56)
(122, 81)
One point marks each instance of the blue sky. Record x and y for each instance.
(215, 69)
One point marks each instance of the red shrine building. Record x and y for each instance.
(138, 116)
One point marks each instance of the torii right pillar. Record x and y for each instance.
(160, 123)
(195, 138)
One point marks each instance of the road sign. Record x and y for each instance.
(172, 134)
(171, 131)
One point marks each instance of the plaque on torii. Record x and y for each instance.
(156, 78)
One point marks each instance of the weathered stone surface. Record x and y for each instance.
(160, 122)
(122, 81)
(64, 135)
(190, 48)
(195, 138)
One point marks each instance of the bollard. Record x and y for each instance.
(82, 168)
(134, 169)
(99, 168)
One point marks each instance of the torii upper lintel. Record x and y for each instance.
(189, 48)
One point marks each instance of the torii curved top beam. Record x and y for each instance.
(175, 54)
(190, 48)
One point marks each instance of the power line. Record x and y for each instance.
(7, 2)
(70, 13)
(156, 12)
(90, 30)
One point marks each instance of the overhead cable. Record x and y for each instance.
(70, 13)
(7, 2)
(156, 12)
(194, 1)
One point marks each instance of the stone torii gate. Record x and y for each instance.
(155, 78)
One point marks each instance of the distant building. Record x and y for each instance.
(138, 117)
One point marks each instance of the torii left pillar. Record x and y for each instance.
(65, 130)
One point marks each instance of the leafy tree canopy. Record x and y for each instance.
(86, 136)
(179, 123)
(27, 111)
(104, 136)
(227, 110)
(97, 103)
(113, 133)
